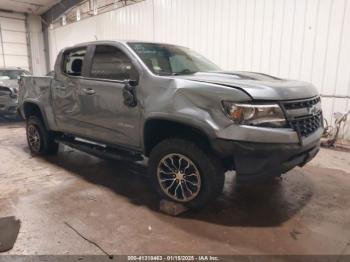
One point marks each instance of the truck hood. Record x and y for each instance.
(258, 86)
(11, 83)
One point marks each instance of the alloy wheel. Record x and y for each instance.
(34, 138)
(178, 177)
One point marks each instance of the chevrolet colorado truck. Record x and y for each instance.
(193, 121)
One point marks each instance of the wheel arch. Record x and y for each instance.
(172, 128)
(32, 108)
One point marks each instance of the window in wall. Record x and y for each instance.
(109, 62)
(73, 61)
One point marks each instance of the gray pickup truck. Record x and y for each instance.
(193, 121)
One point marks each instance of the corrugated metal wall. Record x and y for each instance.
(36, 45)
(13, 41)
(298, 39)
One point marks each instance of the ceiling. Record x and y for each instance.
(27, 6)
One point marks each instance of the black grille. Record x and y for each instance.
(12, 108)
(4, 91)
(307, 125)
(301, 104)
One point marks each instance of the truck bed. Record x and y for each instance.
(36, 90)
(34, 87)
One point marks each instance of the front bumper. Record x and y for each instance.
(253, 160)
(8, 106)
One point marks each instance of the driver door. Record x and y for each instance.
(102, 102)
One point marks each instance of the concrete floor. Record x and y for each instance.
(112, 204)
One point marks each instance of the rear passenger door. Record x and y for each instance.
(102, 102)
(66, 87)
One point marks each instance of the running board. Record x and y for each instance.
(100, 150)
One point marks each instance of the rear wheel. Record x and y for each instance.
(40, 140)
(183, 172)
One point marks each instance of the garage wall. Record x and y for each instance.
(13, 41)
(36, 45)
(299, 39)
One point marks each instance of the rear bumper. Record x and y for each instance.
(253, 160)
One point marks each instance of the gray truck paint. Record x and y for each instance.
(194, 100)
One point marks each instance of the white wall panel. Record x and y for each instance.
(299, 39)
(16, 37)
(16, 61)
(36, 47)
(15, 49)
(13, 41)
(13, 24)
(132, 22)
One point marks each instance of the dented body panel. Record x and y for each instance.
(194, 100)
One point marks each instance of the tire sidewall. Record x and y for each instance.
(36, 122)
(197, 156)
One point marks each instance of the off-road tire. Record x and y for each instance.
(48, 146)
(212, 173)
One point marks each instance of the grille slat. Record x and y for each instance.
(301, 104)
(307, 124)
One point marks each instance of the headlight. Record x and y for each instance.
(14, 92)
(267, 115)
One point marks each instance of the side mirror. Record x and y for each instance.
(129, 93)
(133, 82)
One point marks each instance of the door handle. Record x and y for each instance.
(89, 91)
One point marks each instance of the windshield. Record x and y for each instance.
(12, 74)
(163, 59)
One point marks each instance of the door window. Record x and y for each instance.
(109, 62)
(73, 62)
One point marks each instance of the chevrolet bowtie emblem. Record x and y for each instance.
(313, 110)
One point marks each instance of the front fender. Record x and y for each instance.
(194, 104)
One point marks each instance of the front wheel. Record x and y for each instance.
(183, 172)
(40, 140)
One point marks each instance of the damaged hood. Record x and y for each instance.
(258, 86)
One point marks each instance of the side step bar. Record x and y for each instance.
(100, 150)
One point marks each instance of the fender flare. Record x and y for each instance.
(40, 107)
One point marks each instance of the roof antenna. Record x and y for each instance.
(96, 38)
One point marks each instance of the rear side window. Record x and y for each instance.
(110, 62)
(73, 61)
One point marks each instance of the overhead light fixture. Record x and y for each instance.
(78, 14)
(64, 20)
(93, 6)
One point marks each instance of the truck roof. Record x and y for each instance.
(114, 41)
